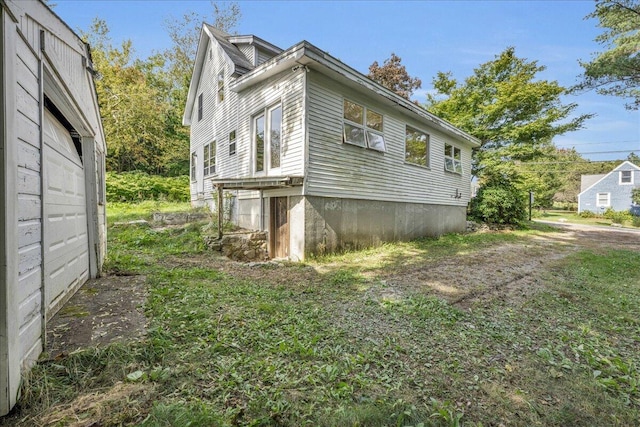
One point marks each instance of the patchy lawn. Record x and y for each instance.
(538, 327)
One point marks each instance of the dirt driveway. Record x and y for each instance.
(111, 308)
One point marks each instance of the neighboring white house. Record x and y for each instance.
(52, 210)
(316, 153)
(612, 190)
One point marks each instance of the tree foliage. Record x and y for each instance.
(514, 115)
(394, 76)
(616, 71)
(142, 100)
(132, 103)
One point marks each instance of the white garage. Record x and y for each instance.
(52, 207)
(66, 245)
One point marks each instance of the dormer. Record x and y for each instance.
(255, 49)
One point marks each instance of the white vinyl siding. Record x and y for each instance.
(235, 115)
(342, 170)
(287, 91)
(29, 204)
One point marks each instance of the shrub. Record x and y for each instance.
(635, 221)
(140, 186)
(617, 217)
(587, 214)
(499, 204)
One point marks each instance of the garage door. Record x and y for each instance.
(66, 257)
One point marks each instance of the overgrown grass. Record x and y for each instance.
(227, 350)
(575, 218)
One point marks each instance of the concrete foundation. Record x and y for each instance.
(333, 224)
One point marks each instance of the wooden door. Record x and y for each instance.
(279, 227)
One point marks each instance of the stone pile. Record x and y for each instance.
(242, 246)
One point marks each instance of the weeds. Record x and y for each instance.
(272, 349)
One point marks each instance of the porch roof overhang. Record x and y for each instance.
(258, 183)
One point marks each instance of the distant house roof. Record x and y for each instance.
(587, 181)
(592, 180)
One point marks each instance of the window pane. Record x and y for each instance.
(625, 176)
(232, 143)
(458, 165)
(259, 136)
(416, 147)
(447, 150)
(376, 141)
(448, 164)
(353, 112)
(456, 153)
(274, 145)
(354, 135)
(374, 120)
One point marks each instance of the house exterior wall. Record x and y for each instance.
(40, 57)
(337, 169)
(619, 194)
(336, 224)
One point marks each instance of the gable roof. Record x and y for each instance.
(587, 181)
(626, 165)
(304, 54)
(240, 64)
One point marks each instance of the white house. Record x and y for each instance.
(316, 153)
(52, 207)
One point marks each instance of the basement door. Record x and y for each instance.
(279, 227)
(66, 246)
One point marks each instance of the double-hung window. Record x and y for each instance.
(200, 107)
(362, 127)
(626, 177)
(221, 86)
(267, 131)
(194, 161)
(416, 147)
(209, 161)
(603, 199)
(232, 142)
(452, 159)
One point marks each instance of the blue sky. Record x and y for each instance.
(429, 36)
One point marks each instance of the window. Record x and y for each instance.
(602, 199)
(209, 161)
(362, 127)
(232, 143)
(200, 107)
(452, 159)
(626, 177)
(416, 147)
(268, 137)
(221, 86)
(194, 162)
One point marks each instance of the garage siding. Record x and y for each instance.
(29, 203)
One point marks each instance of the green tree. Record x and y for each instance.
(132, 103)
(616, 71)
(394, 76)
(185, 34)
(514, 115)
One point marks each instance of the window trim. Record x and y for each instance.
(608, 203)
(620, 182)
(193, 166)
(210, 151)
(200, 107)
(232, 143)
(427, 164)
(220, 92)
(366, 130)
(265, 113)
(457, 163)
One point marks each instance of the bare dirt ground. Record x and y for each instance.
(110, 308)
